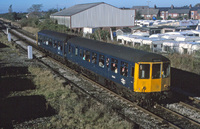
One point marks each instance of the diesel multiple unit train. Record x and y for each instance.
(109, 64)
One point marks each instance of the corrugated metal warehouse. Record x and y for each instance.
(95, 15)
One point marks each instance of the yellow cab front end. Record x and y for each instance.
(152, 77)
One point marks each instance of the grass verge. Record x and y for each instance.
(74, 110)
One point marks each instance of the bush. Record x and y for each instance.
(185, 62)
(144, 48)
(101, 35)
(33, 22)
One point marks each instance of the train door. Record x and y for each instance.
(102, 65)
(60, 47)
(132, 75)
(142, 81)
(74, 53)
(114, 68)
(69, 51)
(165, 84)
(123, 71)
(107, 66)
(94, 60)
(156, 77)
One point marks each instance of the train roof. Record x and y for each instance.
(122, 52)
(56, 35)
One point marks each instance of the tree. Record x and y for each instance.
(197, 5)
(138, 15)
(50, 11)
(35, 8)
(10, 9)
(169, 17)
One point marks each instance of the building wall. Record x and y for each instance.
(62, 20)
(103, 15)
(164, 15)
(175, 15)
(149, 17)
(198, 16)
(194, 15)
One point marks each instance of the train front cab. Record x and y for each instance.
(152, 77)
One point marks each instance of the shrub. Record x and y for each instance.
(185, 62)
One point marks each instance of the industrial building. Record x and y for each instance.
(95, 15)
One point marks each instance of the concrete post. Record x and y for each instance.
(30, 53)
(111, 35)
(9, 37)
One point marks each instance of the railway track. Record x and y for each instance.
(190, 106)
(159, 121)
(195, 100)
(178, 119)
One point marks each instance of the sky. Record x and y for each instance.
(23, 5)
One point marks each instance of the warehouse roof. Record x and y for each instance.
(76, 9)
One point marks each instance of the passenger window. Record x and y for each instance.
(76, 51)
(156, 71)
(84, 55)
(101, 61)
(87, 56)
(46, 41)
(132, 71)
(50, 42)
(166, 70)
(94, 58)
(59, 46)
(144, 71)
(40, 38)
(65, 50)
(107, 62)
(69, 49)
(114, 63)
(55, 44)
(124, 68)
(80, 53)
